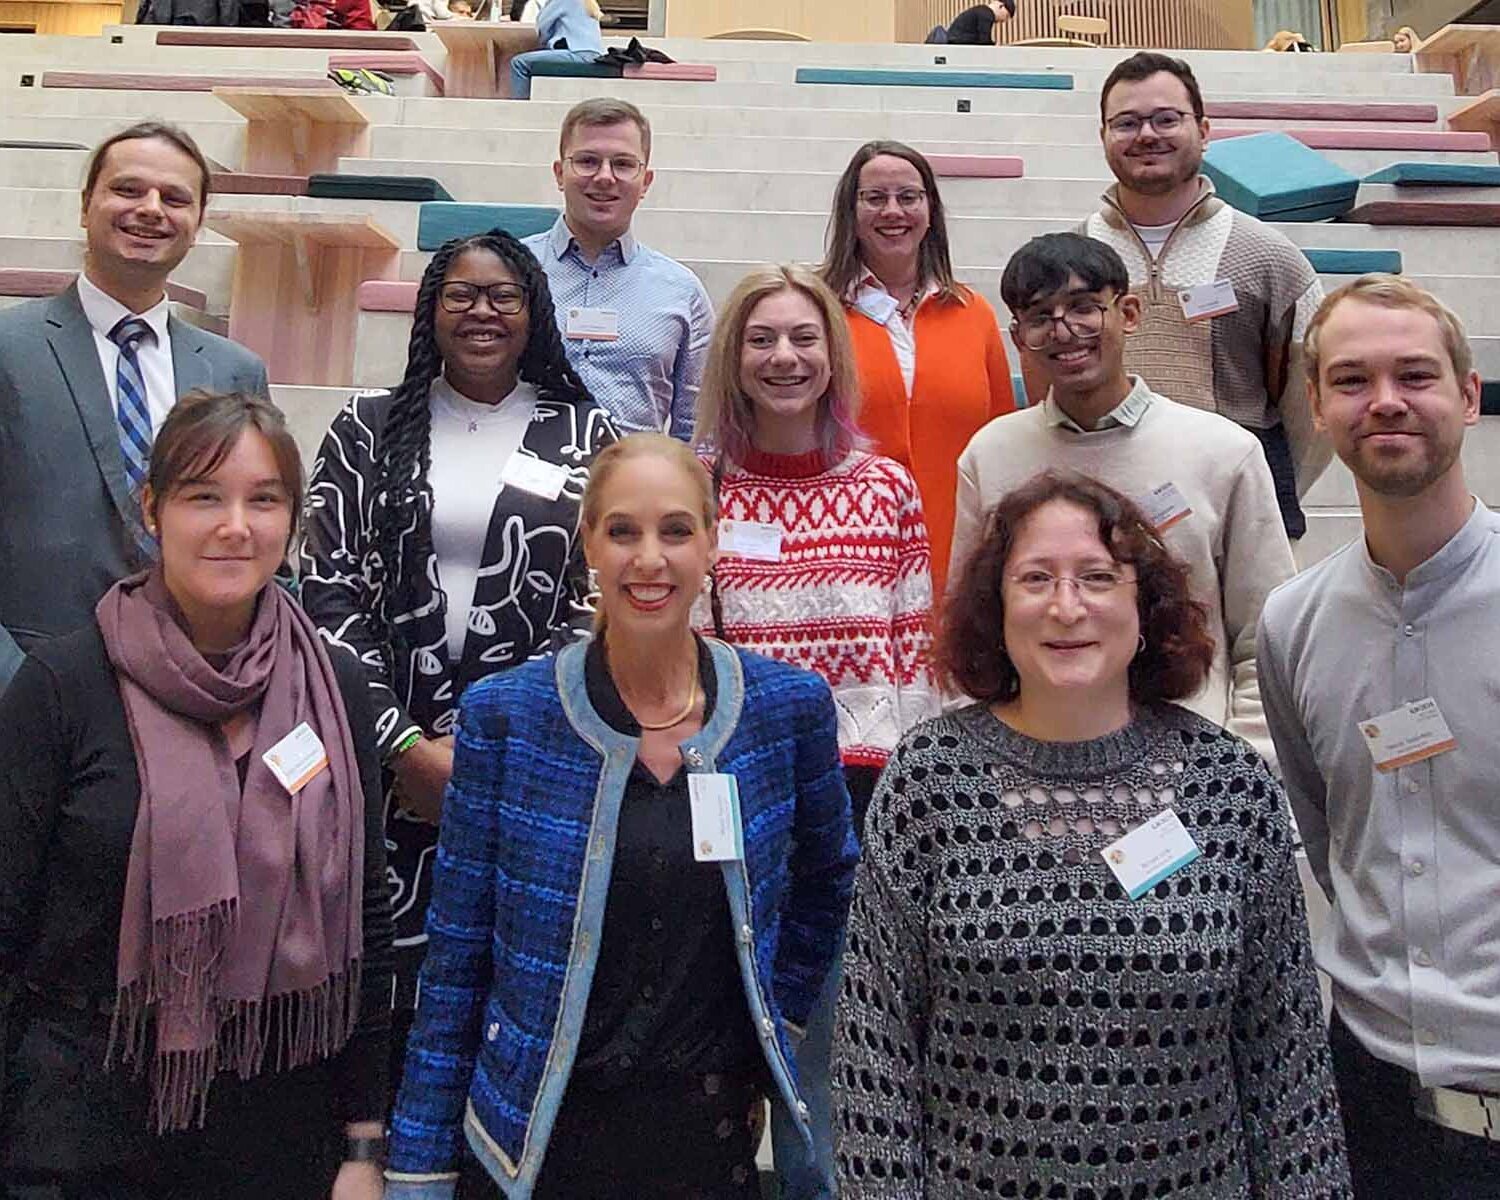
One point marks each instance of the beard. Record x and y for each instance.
(1188, 167)
(1401, 479)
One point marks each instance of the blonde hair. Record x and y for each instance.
(643, 445)
(1412, 35)
(726, 418)
(1390, 291)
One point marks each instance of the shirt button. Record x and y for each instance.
(1409, 630)
(1417, 866)
(656, 924)
(1427, 1037)
(747, 935)
(1421, 958)
(1413, 786)
(766, 1027)
(802, 1109)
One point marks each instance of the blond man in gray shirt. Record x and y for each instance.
(1380, 672)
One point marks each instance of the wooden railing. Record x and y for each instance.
(1163, 24)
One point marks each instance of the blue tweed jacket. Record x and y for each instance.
(524, 858)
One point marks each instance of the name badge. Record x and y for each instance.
(1208, 300)
(759, 540)
(593, 324)
(715, 804)
(1164, 506)
(297, 758)
(1147, 855)
(532, 475)
(1407, 735)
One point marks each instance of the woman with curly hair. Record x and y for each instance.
(1078, 961)
(442, 530)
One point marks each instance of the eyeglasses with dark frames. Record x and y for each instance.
(624, 167)
(459, 296)
(1164, 122)
(876, 199)
(1084, 319)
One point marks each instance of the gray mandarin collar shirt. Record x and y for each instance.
(1410, 859)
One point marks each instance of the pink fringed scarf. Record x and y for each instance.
(241, 923)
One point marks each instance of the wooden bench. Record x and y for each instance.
(1470, 53)
(285, 39)
(27, 281)
(1374, 139)
(391, 62)
(143, 82)
(1319, 110)
(479, 54)
(1478, 214)
(296, 283)
(1480, 115)
(296, 132)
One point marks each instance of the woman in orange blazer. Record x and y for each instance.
(932, 364)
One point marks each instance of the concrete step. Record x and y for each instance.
(1481, 457)
(309, 412)
(222, 141)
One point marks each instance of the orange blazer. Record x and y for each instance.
(962, 382)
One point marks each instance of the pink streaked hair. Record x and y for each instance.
(726, 419)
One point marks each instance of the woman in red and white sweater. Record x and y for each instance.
(823, 562)
(823, 555)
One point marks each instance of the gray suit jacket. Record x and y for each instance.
(63, 496)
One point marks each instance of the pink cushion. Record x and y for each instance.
(392, 62)
(26, 281)
(1374, 139)
(698, 72)
(1319, 110)
(387, 295)
(976, 166)
(242, 183)
(137, 82)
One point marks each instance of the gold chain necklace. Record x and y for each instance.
(680, 717)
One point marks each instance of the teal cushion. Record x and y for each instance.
(1277, 178)
(377, 187)
(1354, 262)
(1412, 174)
(1489, 398)
(573, 69)
(441, 220)
(871, 77)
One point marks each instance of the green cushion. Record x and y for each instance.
(573, 69)
(1354, 262)
(377, 187)
(1412, 174)
(441, 220)
(1277, 178)
(872, 77)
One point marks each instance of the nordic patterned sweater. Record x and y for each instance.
(1012, 1024)
(849, 599)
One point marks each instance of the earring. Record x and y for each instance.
(1140, 644)
(593, 581)
(708, 583)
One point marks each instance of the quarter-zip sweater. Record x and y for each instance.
(1245, 365)
(525, 853)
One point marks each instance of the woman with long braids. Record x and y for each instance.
(823, 563)
(442, 531)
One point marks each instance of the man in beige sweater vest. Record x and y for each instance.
(1201, 477)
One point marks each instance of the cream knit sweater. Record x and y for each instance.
(1233, 543)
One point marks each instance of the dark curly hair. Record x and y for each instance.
(1179, 649)
(402, 531)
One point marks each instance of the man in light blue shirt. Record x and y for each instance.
(636, 324)
(1379, 672)
(566, 32)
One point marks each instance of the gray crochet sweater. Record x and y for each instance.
(1012, 1024)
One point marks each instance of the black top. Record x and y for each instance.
(973, 27)
(666, 998)
(69, 791)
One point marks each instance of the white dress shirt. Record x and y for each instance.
(471, 444)
(153, 352)
(872, 299)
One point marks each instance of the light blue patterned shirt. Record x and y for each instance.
(647, 377)
(568, 20)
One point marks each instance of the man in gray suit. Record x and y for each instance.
(86, 379)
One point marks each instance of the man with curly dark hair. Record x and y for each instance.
(1199, 476)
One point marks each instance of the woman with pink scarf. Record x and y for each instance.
(195, 931)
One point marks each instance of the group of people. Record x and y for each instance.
(673, 711)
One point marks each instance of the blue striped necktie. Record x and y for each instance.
(130, 401)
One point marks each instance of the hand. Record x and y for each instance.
(359, 1181)
(421, 775)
